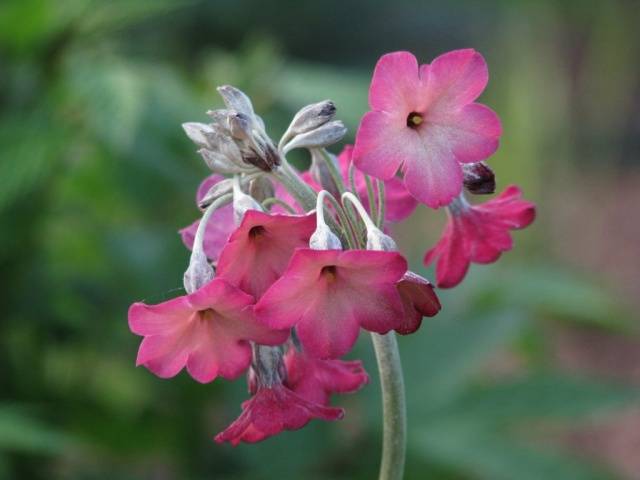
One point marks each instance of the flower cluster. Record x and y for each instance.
(288, 267)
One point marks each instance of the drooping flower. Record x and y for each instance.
(418, 299)
(274, 407)
(219, 227)
(207, 331)
(272, 410)
(424, 121)
(260, 249)
(478, 234)
(329, 294)
(315, 379)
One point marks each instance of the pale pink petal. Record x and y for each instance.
(435, 177)
(454, 79)
(472, 133)
(383, 143)
(158, 319)
(395, 84)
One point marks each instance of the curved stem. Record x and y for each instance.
(394, 436)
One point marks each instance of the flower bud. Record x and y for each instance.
(323, 238)
(478, 178)
(236, 100)
(198, 273)
(197, 133)
(312, 116)
(216, 191)
(321, 137)
(261, 188)
(320, 171)
(377, 240)
(239, 126)
(242, 202)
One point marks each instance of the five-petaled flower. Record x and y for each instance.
(260, 249)
(329, 294)
(424, 121)
(208, 331)
(478, 234)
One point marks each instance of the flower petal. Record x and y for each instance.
(395, 83)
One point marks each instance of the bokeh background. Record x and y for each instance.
(531, 371)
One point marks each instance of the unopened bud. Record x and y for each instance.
(236, 100)
(321, 137)
(242, 202)
(312, 116)
(261, 188)
(198, 273)
(319, 170)
(479, 178)
(216, 191)
(323, 238)
(197, 133)
(239, 126)
(377, 240)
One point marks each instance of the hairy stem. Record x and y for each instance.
(393, 406)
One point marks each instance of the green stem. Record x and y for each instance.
(394, 436)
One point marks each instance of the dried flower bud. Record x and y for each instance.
(321, 137)
(479, 178)
(312, 116)
(320, 171)
(236, 100)
(198, 273)
(261, 188)
(197, 133)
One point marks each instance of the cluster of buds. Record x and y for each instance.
(288, 267)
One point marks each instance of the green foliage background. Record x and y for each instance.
(96, 177)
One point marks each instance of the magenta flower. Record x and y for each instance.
(207, 331)
(478, 234)
(424, 121)
(260, 249)
(219, 227)
(316, 379)
(270, 411)
(329, 294)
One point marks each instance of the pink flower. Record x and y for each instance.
(219, 227)
(207, 331)
(478, 233)
(315, 379)
(260, 249)
(399, 203)
(423, 119)
(270, 411)
(418, 299)
(329, 294)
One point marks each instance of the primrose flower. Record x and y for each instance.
(424, 121)
(260, 249)
(316, 379)
(218, 230)
(273, 407)
(329, 294)
(478, 234)
(208, 331)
